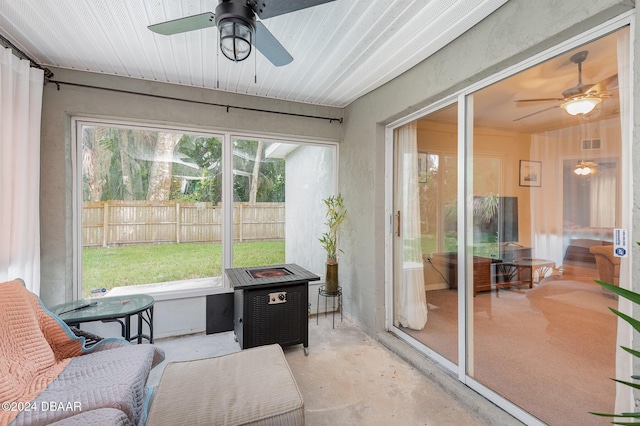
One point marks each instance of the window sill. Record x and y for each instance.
(174, 289)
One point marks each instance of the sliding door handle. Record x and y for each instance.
(398, 229)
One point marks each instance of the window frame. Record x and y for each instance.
(227, 137)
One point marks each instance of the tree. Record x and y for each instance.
(205, 154)
(255, 181)
(125, 164)
(269, 183)
(114, 175)
(116, 163)
(91, 171)
(160, 173)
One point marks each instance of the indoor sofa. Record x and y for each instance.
(608, 264)
(49, 376)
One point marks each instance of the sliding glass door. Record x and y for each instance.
(496, 247)
(425, 231)
(541, 325)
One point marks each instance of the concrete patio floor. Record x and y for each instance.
(348, 378)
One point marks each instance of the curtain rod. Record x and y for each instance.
(171, 98)
(48, 75)
(19, 53)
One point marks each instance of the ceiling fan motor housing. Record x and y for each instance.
(237, 25)
(236, 10)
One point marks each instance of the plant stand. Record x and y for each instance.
(333, 295)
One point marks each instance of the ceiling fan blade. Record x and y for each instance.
(536, 113)
(269, 8)
(539, 100)
(182, 25)
(270, 47)
(609, 84)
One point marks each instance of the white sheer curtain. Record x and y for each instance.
(587, 205)
(410, 295)
(20, 111)
(547, 223)
(603, 193)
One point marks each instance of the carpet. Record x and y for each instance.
(550, 349)
(585, 300)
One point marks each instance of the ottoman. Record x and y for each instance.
(251, 387)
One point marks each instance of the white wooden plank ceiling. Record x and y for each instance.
(341, 50)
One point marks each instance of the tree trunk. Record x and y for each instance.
(160, 173)
(125, 164)
(255, 183)
(91, 165)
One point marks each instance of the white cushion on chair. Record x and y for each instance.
(254, 386)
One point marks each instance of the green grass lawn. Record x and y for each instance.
(153, 263)
(482, 248)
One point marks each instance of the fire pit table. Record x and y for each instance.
(270, 305)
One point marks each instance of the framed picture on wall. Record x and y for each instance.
(423, 167)
(530, 173)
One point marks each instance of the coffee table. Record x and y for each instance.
(118, 309)
(511, 272)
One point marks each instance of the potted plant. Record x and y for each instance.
(336, 214)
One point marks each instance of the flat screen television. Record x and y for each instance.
(502, 226)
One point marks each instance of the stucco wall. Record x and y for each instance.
(516, 31)
(56, 168)
(311, 172)
(310, 179)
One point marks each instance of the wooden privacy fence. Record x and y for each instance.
(132, 222)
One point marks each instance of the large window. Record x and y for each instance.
(153, 209)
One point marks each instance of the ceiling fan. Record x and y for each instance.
(238, 27)
(584, 168)
(582, 98)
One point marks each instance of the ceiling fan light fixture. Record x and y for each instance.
(238, 28)
(582, 105)
(236, 24)
(235, 39)
(585, 168)
(582, 171)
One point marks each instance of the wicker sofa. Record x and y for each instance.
(48, 375)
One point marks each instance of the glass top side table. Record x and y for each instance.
(118, 309)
